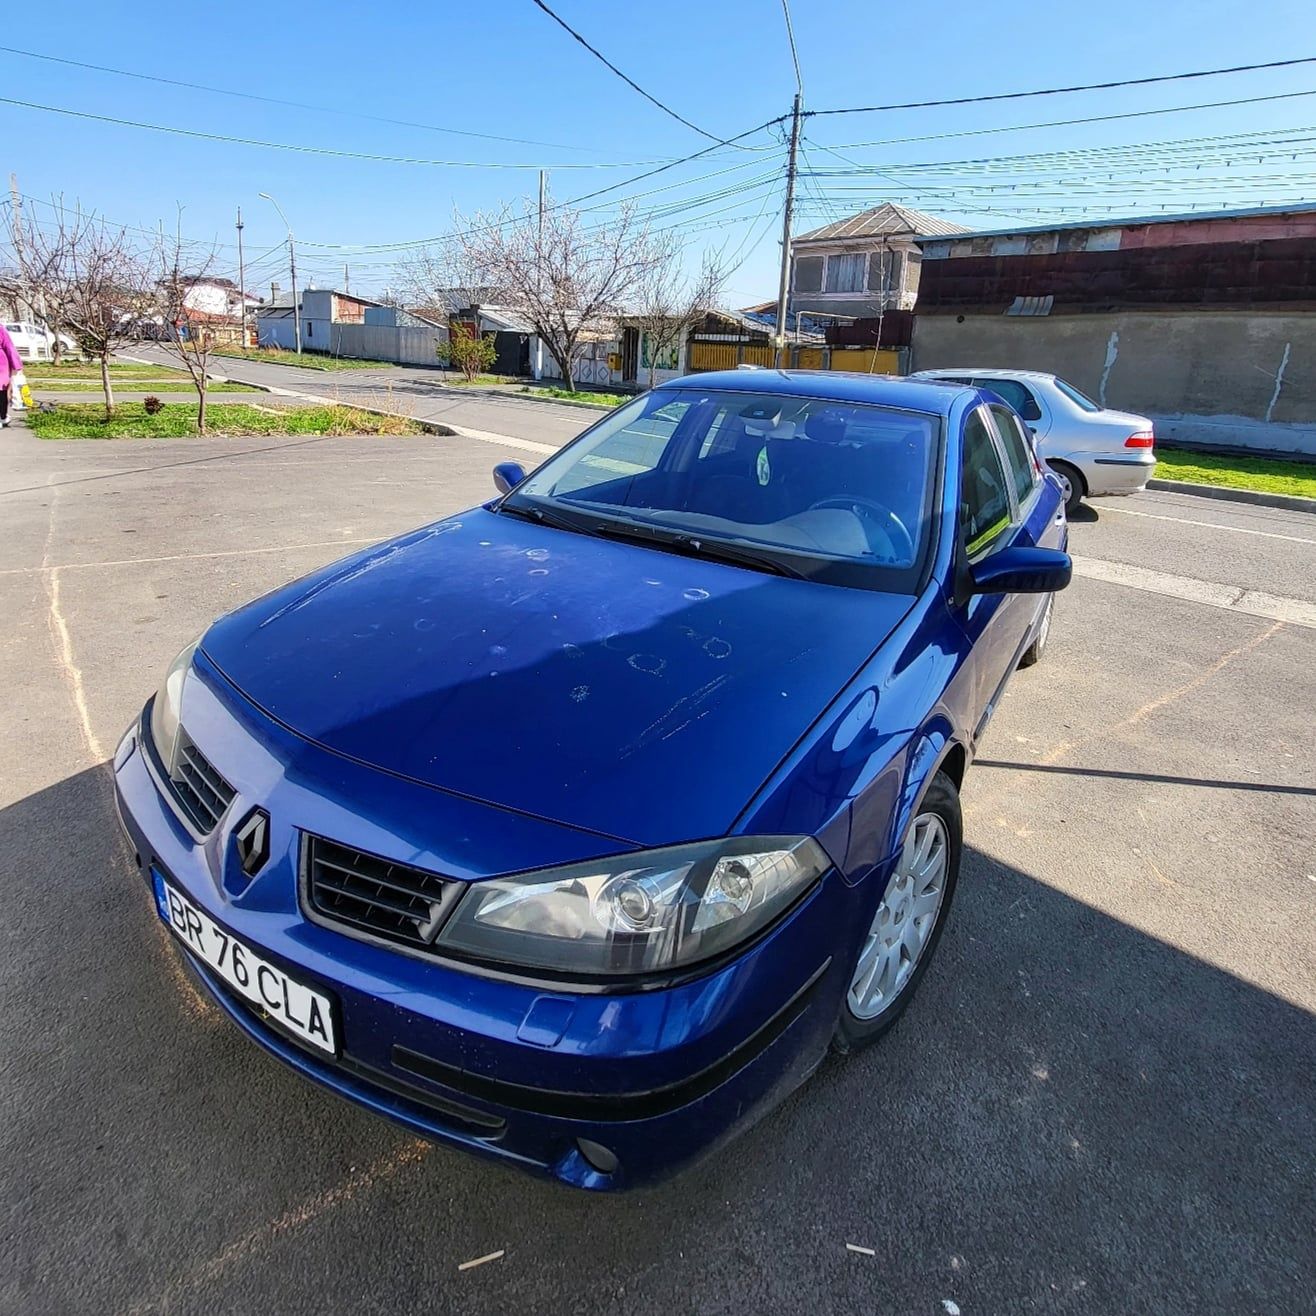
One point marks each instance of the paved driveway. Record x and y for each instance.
(1102, 1100)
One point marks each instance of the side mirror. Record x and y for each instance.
(507, 475)
(1022, 571)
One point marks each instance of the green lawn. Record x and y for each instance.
(86, 420)
(91, 370)
(1259, 473)
(565, 395)
(128, 384)
(307, 361)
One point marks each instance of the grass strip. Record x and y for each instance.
(1261, 474)
(86, 420)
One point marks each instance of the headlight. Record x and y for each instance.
(168, 707)
(636, 913)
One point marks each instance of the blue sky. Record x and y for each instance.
(506, 69)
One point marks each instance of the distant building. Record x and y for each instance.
(1202, 321)
(861, 266)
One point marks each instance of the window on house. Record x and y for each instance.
(846, 273)
(809, 274)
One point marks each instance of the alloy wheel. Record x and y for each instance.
(905, 919)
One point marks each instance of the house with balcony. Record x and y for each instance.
(862, 266)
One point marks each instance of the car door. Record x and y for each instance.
(987, 522)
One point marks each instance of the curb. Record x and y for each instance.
(1288, 502)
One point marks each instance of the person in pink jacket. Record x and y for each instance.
(10, 365)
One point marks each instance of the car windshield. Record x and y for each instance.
(1074, 395)
(835, 491)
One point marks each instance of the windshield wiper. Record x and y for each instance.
(718, 550)
(544, 516)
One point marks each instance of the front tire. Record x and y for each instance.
(907, 923)
(1072, 485)
(1038, 647)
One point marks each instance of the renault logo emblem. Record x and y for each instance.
(252, 841)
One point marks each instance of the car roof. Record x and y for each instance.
(933, 396)
(990, 372)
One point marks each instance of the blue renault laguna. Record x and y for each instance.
(575, 829)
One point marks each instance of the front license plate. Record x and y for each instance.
(304, 1012)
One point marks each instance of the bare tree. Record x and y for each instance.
(667, 302)
(93, 278)
(189, 327)
(565, 278)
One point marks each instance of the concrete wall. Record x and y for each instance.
(1245, 379)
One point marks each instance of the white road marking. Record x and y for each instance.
(1210, 525)
(505, 440)
(1233, 598)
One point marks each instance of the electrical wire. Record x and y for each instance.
(630, 82)
(313, 150)
(296, 105)
(1069, 123)
(1063, 91)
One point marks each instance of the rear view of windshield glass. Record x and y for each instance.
(830, 480)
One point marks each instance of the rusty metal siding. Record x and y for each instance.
(1248, 275)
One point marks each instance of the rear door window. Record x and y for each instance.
(1018, 395)
(1018, 451)
(985, 508)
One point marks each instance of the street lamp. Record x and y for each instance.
(292, 265)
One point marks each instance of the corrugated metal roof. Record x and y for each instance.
(1302, 208)
(885, 220)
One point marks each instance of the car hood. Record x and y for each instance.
(604, 685)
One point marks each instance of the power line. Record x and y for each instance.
(630, 82)
(1062, 91)
(1068, 123)
(311, 150)
(296, 105)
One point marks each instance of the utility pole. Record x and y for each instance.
(783, 288)
(242, 282)
(538, 366)
(347, 285)
(292, 271)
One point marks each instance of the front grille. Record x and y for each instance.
(391, 900)
(200, 791)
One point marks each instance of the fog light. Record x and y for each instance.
(604, 1161)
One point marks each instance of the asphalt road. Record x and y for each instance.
(1101, 1101)
(420, 394)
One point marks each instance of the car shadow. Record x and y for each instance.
(1074, 1114)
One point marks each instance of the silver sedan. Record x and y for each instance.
(1094, 451)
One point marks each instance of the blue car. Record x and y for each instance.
(575, 829)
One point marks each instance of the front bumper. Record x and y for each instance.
(601, 1090)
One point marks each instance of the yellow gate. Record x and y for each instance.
(884, 361)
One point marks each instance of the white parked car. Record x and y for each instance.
(1095, 452)
(31, 340)
(37, 343)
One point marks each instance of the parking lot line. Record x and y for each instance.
(1232, 598)
(1209, 525)
(186, 557)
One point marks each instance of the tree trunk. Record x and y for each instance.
(562, 355)
(106, 385)
(201, 406)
